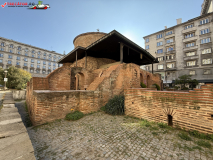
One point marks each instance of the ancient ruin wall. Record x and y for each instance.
(191, 110)
(86, 39)
(51, 105)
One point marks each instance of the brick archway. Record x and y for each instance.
(80, 81)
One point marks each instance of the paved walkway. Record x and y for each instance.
(103, 137)
(14, 139)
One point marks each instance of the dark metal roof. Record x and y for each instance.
(109, 47)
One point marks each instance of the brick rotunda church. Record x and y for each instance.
(101, 66)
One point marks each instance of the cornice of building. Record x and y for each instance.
(10, 40)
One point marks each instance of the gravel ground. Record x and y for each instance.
(100, 136)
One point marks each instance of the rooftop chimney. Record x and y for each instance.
(165, 27)
(179, 21)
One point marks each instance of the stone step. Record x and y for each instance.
(12, 129)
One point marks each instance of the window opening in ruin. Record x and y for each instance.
(212, 116)
(170, 120)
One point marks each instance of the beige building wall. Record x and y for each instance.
(28, 59)
(180, 51)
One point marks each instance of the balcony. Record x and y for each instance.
(170, 52)
(18, 66)
(25, 67)
(170, 44)
(190, 48)
(171, 69)
(170, 36)
(190, 39)
(171, 60)
(186, 58)
(189, 30)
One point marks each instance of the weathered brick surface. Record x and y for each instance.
(191, 110)
(51, 105)
(86, 39)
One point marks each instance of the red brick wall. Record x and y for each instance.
(191, 110)
(52, 105)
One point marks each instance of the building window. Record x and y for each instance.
(33, 55)
(169, 49)
(43, 72)
(49, 59)
(39, 53)
(18, 63)
(44, 63)
(11, 51)
(190, 54)
(168, 33)
(26, 54)
(44, 67)
(26, 50)
(160, 59)
(147, 40)
(25, 64)
(169, 40)
(206, 40)
(206, 71)
(53, 68)
(159, 36)
(2, 49)
(170, 65)
(189, 35)
(190, 44)
(32, 65)
(204, 21)
(31, 70)
(33, 51)
(1, 61)
(2, 44)
(11, 46)
(204, 31)
(45, 54)
(19, 48)
(9, 62)
(32, 60)
(10, 56)
(189, 26)
(205, 51)
(207, 61)
(49, 67)
(159, 43)
(19, 52)
(53, 64)
(38, 62)
(147, 47)
(25, 59)
(160, 66)
(49, 55)
(49, 63)
(170, 57)
(18, 58)
(191, 72)
(37, 71)
(160, 51)
(54, 56)
(38, 66)
(1, 55)
(44, 57)
(191, 63)
(38, 56)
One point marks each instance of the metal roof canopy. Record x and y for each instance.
(109, 47)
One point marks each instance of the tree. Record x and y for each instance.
(186, 79)
(17, 78)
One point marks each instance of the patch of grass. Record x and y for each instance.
(184, 136)
(197, 147)
(162, 125)
(103, 108)
(145, 123)
(27, 117)
(154, 128)
(74, 116)
(201, 135)
(203, 144)
(155, 133)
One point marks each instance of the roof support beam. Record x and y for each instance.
(121, 52)
(76, 58)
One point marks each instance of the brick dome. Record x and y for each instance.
(85, 39)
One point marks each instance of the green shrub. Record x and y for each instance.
(115, 105)
(74, 116)
(204, 144)
(103, 108)
(201, 135)
(143, 85)
(184, 136)
(157, 86)
(145, 123)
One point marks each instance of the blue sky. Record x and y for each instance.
(55, 28)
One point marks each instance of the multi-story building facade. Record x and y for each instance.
(39, 62)
(185, 48)
(207, 7)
